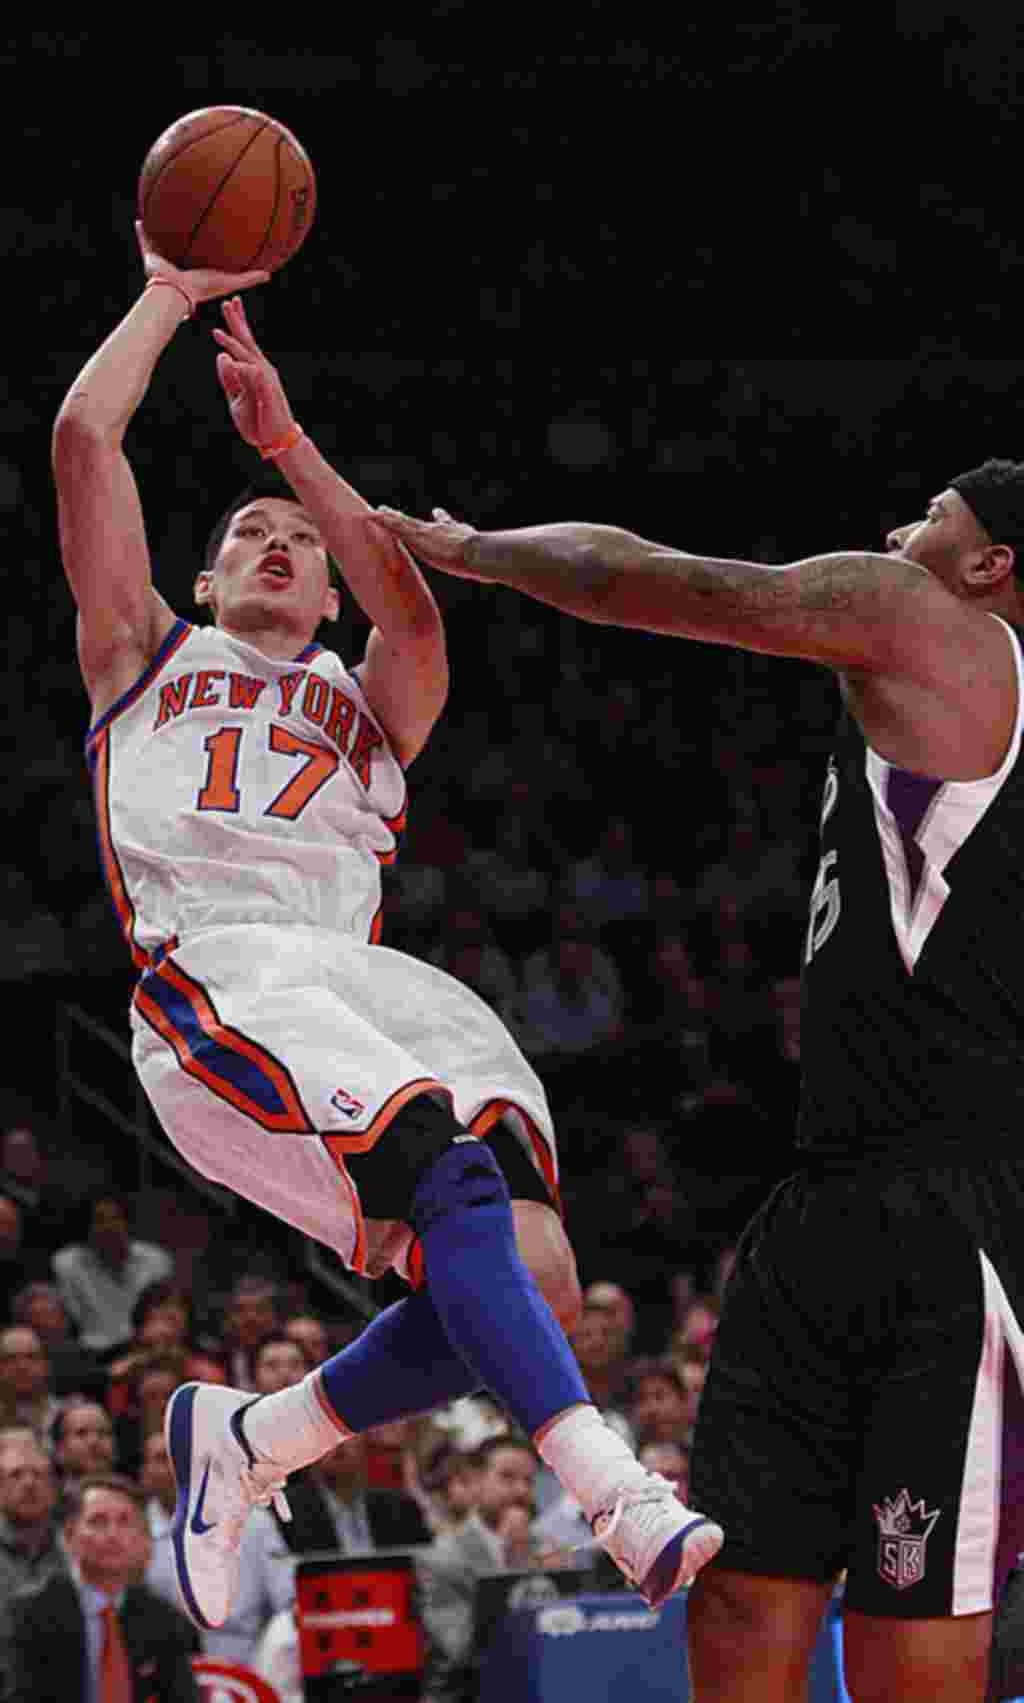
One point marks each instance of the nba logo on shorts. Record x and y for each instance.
(347, 1104)
(903, 1531)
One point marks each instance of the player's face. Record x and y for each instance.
(946, 539)
(272, 569)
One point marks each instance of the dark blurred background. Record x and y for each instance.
(742, 287)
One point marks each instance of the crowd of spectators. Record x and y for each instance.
(460, 1487)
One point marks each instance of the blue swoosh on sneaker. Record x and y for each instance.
(197, 1523)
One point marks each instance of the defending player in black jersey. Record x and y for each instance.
(865, 1408)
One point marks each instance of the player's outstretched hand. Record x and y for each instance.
(199, 285)
(440, 542)
(255, 394)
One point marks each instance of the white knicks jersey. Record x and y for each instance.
(234, 787)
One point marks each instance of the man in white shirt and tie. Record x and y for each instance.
(95, 1632)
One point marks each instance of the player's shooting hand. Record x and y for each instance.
(255, 394)
(198, 284)
(441, 542)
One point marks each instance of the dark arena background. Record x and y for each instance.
(747, 291)
(748, 288)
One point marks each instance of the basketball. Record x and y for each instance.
(228, 189)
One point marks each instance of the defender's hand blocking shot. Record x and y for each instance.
(249, 786)
(864, 1405)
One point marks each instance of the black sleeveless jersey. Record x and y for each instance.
(913, 964)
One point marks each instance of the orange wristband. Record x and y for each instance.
(273, 450)
(172, 284)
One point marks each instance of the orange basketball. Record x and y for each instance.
(229, 189)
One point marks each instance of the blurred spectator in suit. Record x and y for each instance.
(25, 1179)
(149, 1390)
(267, 1576)
(612, 1300)
(334, 1508)
(277, 1363)
(661, 1409)
(249, 1315)
(82, 1442)
(162, 1331)
(101, 1278)
(29, 1546)
(494, 1538)
(312, 1336)
(75, 1628)
(26, 1382)
(39, 1307)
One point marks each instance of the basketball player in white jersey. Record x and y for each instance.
(248, 788)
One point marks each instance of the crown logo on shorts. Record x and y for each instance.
(903, 1531)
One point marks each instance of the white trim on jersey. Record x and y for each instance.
(981, 1500)
(950, 819)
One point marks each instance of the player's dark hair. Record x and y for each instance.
(268, 484)
(994, 492)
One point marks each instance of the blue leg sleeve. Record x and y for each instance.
(495, 1317)
(402, 1363)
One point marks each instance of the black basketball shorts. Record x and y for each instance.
(864, 1405)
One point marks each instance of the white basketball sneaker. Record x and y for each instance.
(220, 1481)
(658, 1544)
